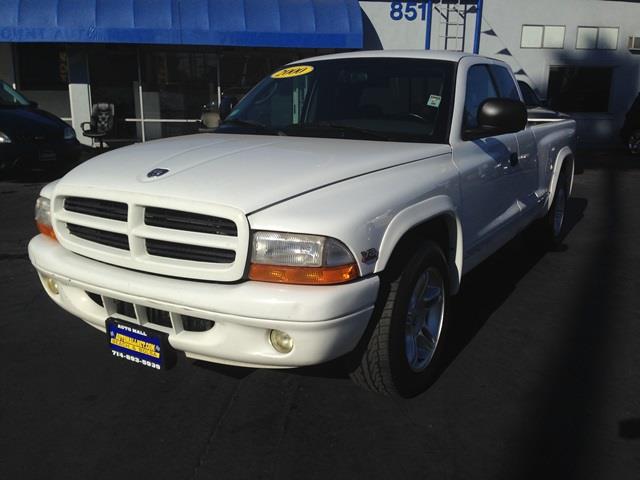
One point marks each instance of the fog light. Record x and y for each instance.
(281, 341)
(51, 285)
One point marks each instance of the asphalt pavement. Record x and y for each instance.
(543, 376)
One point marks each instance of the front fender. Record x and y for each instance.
(416, 215)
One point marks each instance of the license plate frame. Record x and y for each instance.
(139, 345)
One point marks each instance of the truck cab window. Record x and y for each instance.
(479, 88)
(506, 85)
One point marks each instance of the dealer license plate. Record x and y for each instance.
(140, 345)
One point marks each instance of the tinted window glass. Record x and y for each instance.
(479, 87)
(9, 96)
(530, 97)
(506, 86)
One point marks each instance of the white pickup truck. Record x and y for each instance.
(332, 214)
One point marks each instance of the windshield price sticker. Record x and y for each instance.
(296, 71)
(434, 101)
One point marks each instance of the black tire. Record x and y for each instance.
(549, 230)
(381, 363)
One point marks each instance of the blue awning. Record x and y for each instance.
(254, 23)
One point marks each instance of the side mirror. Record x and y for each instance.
(497, 116)
(503, 115)
(33, 104)
(227, 103)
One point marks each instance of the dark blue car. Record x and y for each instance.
(31, 138)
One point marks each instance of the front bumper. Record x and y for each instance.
(325, 322)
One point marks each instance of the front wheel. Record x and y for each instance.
(401, 356)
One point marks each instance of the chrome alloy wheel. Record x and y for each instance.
(560, 206)
(423, 323)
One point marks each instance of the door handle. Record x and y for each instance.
(513, 159)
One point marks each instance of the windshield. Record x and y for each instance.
(8, 96)
(392, 99)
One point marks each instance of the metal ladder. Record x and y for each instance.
(453, 26)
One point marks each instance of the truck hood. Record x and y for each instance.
(247, 172)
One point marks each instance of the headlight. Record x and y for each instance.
(43, 217)
(4, 138)
(69, 133)
(300, 259)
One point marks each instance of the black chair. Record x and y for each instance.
(101, 122)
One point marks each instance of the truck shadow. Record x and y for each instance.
(483, 291)
(486, 288)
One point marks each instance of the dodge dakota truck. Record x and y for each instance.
(331, 215)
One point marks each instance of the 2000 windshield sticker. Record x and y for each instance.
(296, 71)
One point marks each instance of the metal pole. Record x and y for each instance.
(476, 40)
(427, 41)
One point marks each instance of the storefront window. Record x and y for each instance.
(113, 72)
(43, 76)
(175, 86)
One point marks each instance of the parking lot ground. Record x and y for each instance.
(543, 376)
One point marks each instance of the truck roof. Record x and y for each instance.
(419, 54)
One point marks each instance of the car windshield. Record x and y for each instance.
(386, 99)
(9, 96)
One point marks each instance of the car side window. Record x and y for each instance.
(480, 87)
(506, 85)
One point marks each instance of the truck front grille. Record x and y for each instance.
(97, 208)
(102, 237)
(188, 239)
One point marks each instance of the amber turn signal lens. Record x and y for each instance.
(46, 230)
(303, 275)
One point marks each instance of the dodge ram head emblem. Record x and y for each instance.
(157, 172)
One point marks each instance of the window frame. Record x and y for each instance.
(463, 130)
(598, 28)
(544, 29)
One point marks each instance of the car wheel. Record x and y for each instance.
(634, 142)
(401, 355)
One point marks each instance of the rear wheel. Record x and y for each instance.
(401, 356)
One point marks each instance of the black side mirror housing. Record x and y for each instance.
(33, 104)
(227, 103)
(497, 116)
